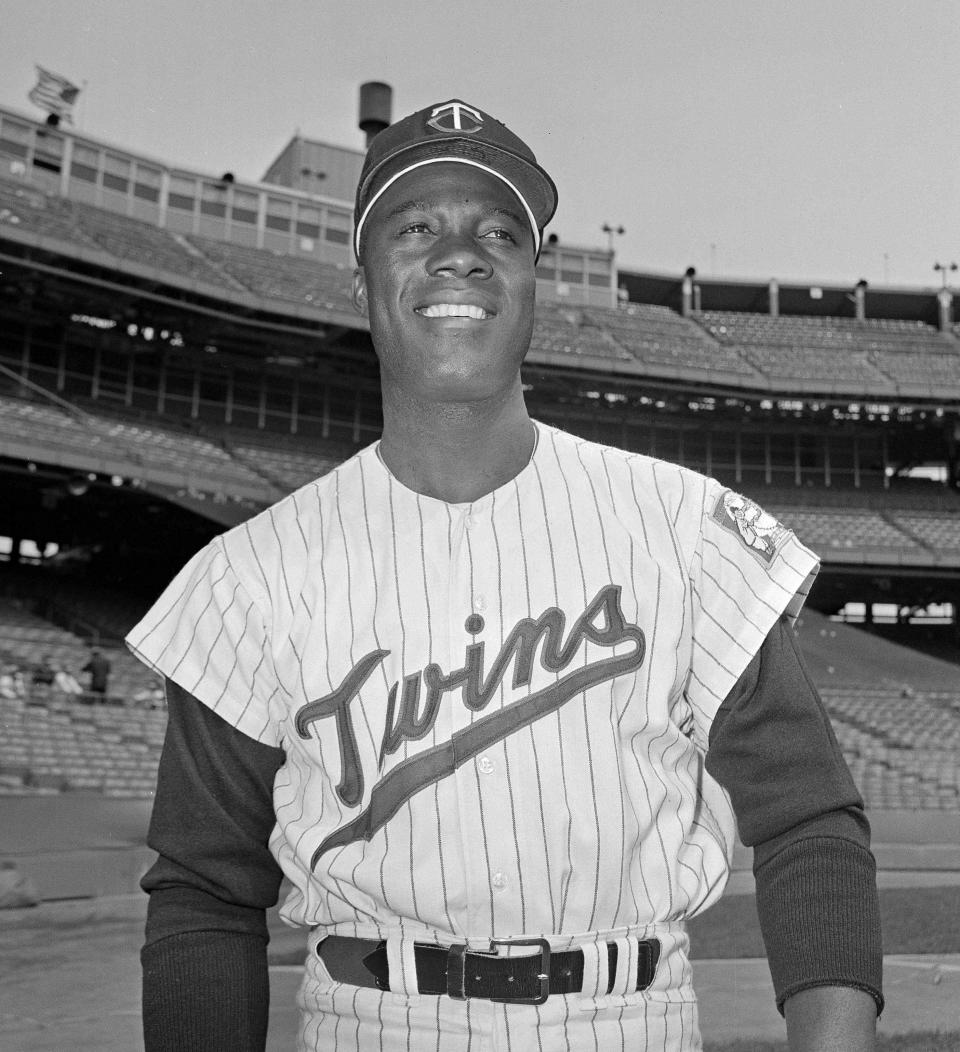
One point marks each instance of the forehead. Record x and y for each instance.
(447, 185)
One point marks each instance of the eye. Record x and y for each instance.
(500, 234)
(419, 227)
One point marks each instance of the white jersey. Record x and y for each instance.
(494, 714)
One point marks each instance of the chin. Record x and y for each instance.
(456, 387)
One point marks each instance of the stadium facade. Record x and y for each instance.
(178, 349)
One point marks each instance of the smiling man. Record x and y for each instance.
(494, 699)
(448, 296)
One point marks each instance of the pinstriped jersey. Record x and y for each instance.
(494, 714)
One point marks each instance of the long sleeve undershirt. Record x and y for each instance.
(771, 747)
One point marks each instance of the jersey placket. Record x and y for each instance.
(474, 618)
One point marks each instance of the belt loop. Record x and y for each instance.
(402, 964)
(457, 972)
(595, 969)
(625, 978)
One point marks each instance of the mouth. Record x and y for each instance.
(454, 310)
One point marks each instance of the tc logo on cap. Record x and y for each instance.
(455, 116)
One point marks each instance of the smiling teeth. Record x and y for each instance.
(454, 310)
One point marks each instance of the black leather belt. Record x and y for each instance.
(461, 973)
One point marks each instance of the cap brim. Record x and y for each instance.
(530, 183)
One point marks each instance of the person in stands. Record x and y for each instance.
(99, 668)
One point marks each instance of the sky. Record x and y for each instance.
(814, 141)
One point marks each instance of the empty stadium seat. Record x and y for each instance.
(872, 355)
(566, 331)
(28, 209)
(159, 451)
(901, 746)
(842, 530)
(276, 276)
(132, 240)
(658, 336)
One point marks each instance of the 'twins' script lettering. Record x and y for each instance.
(409, 719)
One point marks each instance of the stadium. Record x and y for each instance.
(178, 350)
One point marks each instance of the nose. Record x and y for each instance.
(459, 254)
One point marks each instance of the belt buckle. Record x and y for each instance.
(543, 975)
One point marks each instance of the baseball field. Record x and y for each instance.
(71, 977)
(70, 967)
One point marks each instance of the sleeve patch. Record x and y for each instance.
(758, 531)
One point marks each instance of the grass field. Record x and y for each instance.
(928, 1041)
(915, 920)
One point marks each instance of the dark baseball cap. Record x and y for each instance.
(454, 131)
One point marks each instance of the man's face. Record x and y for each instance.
(447, 283)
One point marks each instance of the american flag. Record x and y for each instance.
(55, 94)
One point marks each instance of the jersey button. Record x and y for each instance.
(485, 765)
(480, 602)
(499, 880)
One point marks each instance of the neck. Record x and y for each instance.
(456, 452)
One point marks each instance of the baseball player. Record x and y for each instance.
(492, 698)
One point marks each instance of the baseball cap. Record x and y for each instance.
(454, 131)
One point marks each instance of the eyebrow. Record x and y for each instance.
(407, 206)
(424, 206)
(510, 214)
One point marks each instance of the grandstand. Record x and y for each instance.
(896, 713)
(56, 741)
(177, 351)
(64, 747)
(879, 355)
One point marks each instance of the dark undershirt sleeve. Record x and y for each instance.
(205, 981)
(773, 749)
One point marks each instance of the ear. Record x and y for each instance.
(360, 291)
